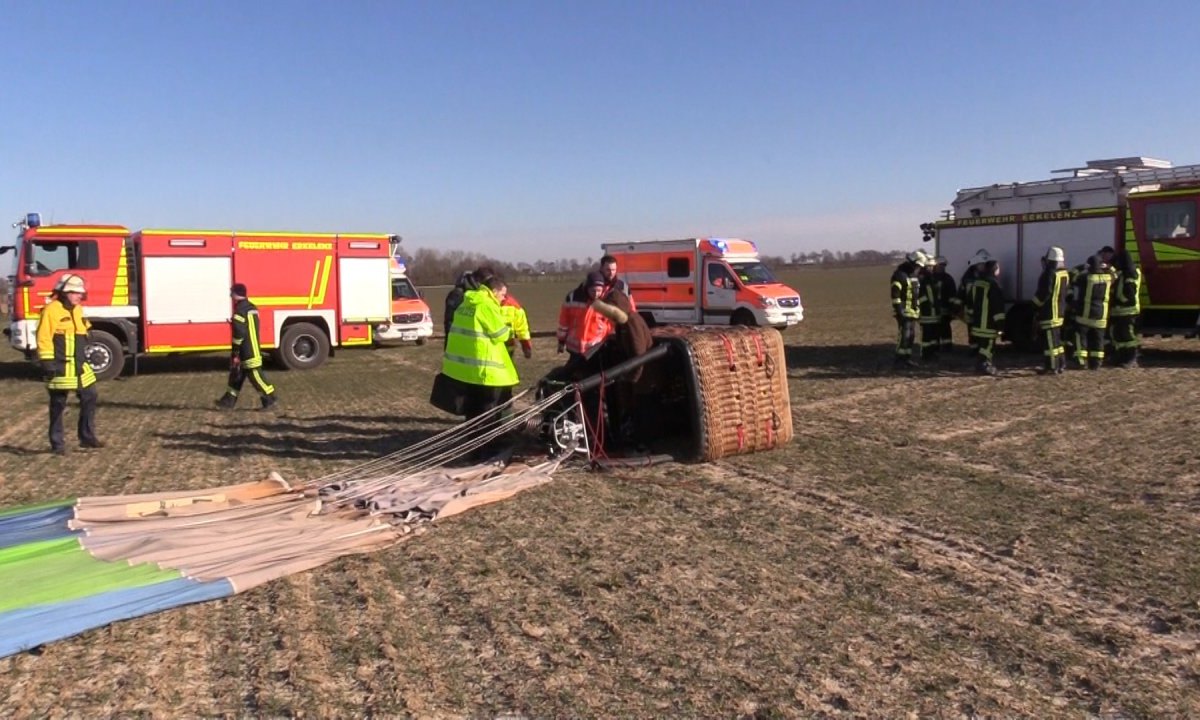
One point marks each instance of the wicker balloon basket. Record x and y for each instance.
(737, 378)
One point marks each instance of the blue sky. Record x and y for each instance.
(541, 129)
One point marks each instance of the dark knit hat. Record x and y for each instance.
(595, 278)
(238, 289)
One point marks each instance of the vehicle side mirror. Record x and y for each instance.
(7, 248)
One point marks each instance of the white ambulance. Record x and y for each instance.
(704, 281)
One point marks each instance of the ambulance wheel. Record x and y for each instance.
(304, 346)
(105, 354)
(743, 317)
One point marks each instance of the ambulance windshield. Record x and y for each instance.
(402, 289)
(753, 273)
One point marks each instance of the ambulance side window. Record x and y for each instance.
(718, 276)
(47, 257)
(679, 267)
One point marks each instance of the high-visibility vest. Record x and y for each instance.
(987, 308)
(1094, 291)
(475, 351)
(1126, 300)
(245, 335)
(580, 328)
(61, 338)
(1051, 297)
(515, 317)
(931, 313)
(904, 295)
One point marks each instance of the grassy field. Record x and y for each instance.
(934, 544)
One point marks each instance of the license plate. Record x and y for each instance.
(792, 321)
(412, 335)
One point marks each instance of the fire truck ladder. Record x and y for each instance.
(1153, 176)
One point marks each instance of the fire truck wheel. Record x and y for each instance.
(304, 346)
(105, 354)
(420, 341)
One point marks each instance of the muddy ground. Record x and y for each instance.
(931, 544)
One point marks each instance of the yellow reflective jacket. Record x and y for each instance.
(516, 318)
(475, 347)
(61, 339)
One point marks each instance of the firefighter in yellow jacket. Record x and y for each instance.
(516, 318)
(246, 357)
(61, 339)
(477, 356)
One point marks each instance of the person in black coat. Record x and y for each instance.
(471, 280)
(246, 357)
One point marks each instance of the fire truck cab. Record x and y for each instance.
(161, 292)
(1144, 206)
(410, 320)
(704, 281)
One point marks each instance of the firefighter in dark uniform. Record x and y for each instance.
(1126, 306)
(929, 311)
(246, 357)
(962, 301)
(467, 282)
(1050, 299)
(1093, 292)
(947, 293)
(905, 290)
(1074, 350)
(986, 306)
(61, 338)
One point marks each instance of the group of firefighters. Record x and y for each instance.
(1083, 309)
(598, 326)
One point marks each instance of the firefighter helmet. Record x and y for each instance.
(71, 283)
(980, 257)
(918, 258)
(1056, 254)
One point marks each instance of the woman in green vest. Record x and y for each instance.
(476, 355)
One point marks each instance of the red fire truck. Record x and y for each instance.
(1145, 206)
(159, 292)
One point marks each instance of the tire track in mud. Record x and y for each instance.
(1029, 588)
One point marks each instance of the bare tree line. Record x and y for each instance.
(431, 266)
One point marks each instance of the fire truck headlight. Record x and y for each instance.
(768, 302)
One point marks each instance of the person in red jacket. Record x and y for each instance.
(582, 330)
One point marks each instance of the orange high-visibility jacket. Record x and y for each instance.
(580, 327)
